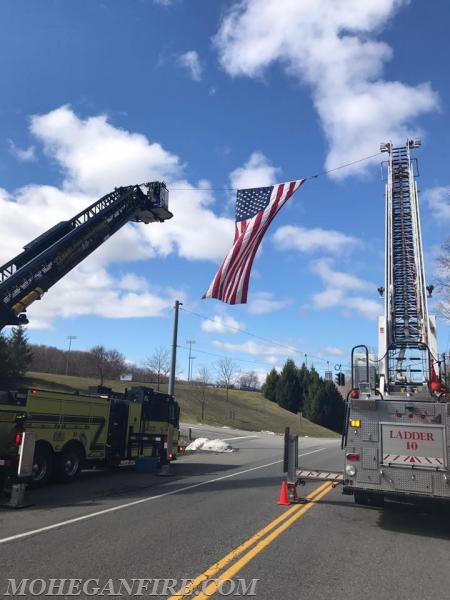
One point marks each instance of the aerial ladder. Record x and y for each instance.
(407, 333)
(49, 257)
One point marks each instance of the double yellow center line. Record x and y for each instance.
(255, 544)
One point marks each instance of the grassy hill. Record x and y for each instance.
(243, 410)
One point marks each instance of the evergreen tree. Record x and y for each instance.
(5, 362)
(20, 351)
(304, 378)
(288, 389)
(269, 389)
(314, 385)
(325, 405)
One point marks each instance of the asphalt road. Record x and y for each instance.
(114, 525)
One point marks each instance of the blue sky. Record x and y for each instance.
(209, 95)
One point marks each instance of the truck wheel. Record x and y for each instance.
(42, 466)
(367, 499)
(68, 464)
(361, 498)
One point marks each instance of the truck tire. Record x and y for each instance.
(361, 498)
(69, 463)
(367, 499)
(42, 466)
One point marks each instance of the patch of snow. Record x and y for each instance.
(209, 445)
(196, 444)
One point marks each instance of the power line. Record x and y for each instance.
(231, 189)
(254, 362)
(292, 349)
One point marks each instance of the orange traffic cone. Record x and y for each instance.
(284, 500)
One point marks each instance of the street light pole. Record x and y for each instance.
(70, 338)
(190, 342)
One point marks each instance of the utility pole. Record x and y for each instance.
(174, 348)
(190, 359)
(70, 338)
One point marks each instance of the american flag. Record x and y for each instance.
(255, 210)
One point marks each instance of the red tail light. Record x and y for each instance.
(352, 456)
(354, 394)
(18, 438)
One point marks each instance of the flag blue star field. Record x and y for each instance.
(255, 210)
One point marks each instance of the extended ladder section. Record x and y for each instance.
(406, 307)
(406, 333)
(53, 254)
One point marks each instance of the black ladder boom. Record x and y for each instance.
(50, 256)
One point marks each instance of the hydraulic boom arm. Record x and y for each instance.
(53, 254)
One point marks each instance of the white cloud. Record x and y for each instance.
(338, 291)
(257, 172)
(330, 45)
(289, 237)
(262, 303)
(370, 309)
(133, 283)
(338, 279)
(95, 156)
(22, 154)
(191, 62)
(439, 202)
(221, 324)
(334, 351)
(266, 351)
(79, 294)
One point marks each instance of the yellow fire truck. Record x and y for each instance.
(75, 431)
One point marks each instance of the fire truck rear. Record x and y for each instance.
(396, 443)
(396, 435)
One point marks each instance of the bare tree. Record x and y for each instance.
(248, 381)
(99, 354)
(226, 369)
(108, 362)
(159, 363)
(116, 363)
(204, 377)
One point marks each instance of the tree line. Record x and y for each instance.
(17, 356)
(302, 390)
(299, 390)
